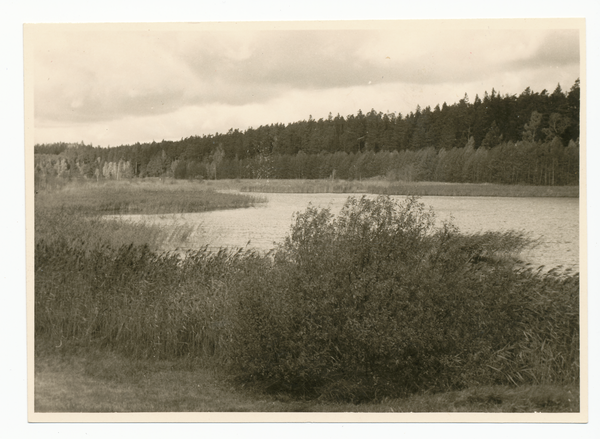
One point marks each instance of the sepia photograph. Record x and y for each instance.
(292, 221)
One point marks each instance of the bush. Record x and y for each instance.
(378, 301)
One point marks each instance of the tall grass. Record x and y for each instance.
(471, 190)
(130, 299)
(75, 228)
(145, 197)
(376, 302)
(104, 281)
(88, 211)
(386, 187)
(303, 186)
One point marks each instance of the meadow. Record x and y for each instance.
(375, 309)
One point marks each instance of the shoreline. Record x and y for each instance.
(386, 187)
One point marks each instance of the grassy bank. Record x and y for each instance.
(147, 196)
(372, 306)
(78, 211)
(105, 382)
(378, 186)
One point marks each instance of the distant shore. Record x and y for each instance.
(387, 187)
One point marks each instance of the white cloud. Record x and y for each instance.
(125, 86)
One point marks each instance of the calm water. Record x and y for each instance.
(554, 220)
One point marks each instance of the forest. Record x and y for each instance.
(532, 138)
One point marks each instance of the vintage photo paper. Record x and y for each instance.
(173, 88)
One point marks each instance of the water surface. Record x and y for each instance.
(554, 221)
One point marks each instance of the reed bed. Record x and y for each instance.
(375, 303)
(143, 197)
(89, 212)
(387, 187)
(472, 190)
(304, 186)
(91, 231)
(130, 299)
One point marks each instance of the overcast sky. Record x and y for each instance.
(112, 86)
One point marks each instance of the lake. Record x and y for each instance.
(555, 221)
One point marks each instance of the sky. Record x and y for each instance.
(110, 85)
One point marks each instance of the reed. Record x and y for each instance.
(387, 187)
(130, 299)
(304, 186)
(472, 190)
(89, 212)
(375, 303)
(145, 197)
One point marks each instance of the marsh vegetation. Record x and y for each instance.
(376, 306)
(390, 187)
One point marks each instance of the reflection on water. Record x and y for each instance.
(554, 220)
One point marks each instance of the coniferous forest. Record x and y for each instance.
(532, 138)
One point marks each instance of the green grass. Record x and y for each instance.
(105, 382)
(380, 186)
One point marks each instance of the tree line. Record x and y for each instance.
(532, 138)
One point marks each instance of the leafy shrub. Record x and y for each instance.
(378, 301)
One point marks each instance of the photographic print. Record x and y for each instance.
(373, 221)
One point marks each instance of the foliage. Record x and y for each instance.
(128, 298)
(377, 302)
(373, 303)
(103, 281)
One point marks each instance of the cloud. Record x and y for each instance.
(86, 76)
(91, 75)
(328, 59)
(558, 49)
(293, 104)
